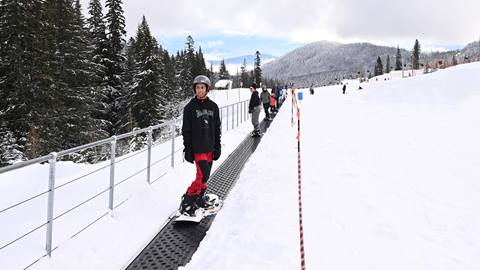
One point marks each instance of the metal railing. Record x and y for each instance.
(231, 116)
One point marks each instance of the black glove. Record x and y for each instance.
(216, 153)
(250, 111)
(188, 155)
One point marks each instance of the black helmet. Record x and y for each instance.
(254, 85)
(202, 79)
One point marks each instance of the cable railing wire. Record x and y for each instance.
(82, 176)
(22, 202)
(164, 138)
(131, 176)
(82, 203)
(131, 156)
(24, 235)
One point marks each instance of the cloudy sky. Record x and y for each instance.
(230, 28)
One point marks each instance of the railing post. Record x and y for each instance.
(113, 148)
(51, 192)
(149, 158)
(227, 117)
(233, 116)
(173, 144)
(238, 112)
(221, 118)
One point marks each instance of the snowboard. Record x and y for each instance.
(252, 134)
(201, 213)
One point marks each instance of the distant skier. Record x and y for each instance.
(201, 132)
(265, 97)
(360, 87)
(311, 90)
(254, 107)
(344, 88)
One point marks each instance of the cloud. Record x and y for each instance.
(376, 21)
(210, 44)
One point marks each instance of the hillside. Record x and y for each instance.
(325, 63)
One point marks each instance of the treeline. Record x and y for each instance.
(67, 80)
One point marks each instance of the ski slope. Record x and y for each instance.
(390, 181)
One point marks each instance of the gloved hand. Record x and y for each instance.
(188, 155)
(250, 111)
(216, 153)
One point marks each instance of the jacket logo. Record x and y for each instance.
(204, 112)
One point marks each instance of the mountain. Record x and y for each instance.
(250, 59)
(472, 50)
(325, 62)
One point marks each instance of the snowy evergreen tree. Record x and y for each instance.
(74, 75)
(257, 68)
(9, 149)
(223, 72)
(115, 62)
(98, 38)
(28, 94)
(416, 55)
(145, 101)
(183, 74)
(387, 65)
(398, 60)
(378, 67)
(454, 61)
(243, 73)
(200, 67)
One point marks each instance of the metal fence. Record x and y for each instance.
(231, 116)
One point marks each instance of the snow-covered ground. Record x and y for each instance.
(390, 181)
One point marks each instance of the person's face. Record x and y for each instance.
(201, 90)
(251, 89)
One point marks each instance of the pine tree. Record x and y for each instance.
(75, 75)
(9, 149)
(454, 61)
(416, 55)
(115, 62)
(183, 70)
(98, 39)
(169, 93)
(200, 68)
(243, 73)
(398, 60)
(15, 53)
(378, 67)
(258, 69)
(145, 101)
(223, 72)
(28, 96)
(387, 67)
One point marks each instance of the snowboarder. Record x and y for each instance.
(265, 97)
(344, 88)
(273, 103)
(201, 131)
(254, 107)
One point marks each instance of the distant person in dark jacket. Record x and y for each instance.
(201, 132)
(344, 88)
(265, 97)
(254, 107)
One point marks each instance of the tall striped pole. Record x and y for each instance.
(300, 216)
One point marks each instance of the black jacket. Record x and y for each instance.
(254, 101)
(202, 127)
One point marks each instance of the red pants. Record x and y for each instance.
(203, 162)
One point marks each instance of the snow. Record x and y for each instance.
(390, 181)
